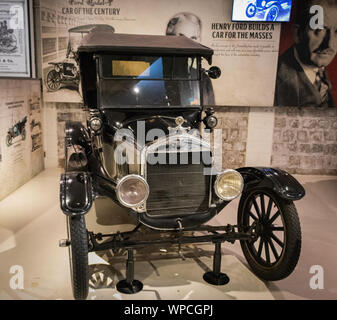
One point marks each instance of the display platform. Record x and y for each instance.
(31, 224)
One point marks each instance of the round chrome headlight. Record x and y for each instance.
(95, 124)
(132, 190)
(228, 185)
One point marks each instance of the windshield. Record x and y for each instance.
(149, 81)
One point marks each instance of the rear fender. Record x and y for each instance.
(277, 180)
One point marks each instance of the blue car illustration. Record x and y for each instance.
(271, 9)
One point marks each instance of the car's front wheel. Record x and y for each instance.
(272, 13)
(275, 251)
(53, 81)
(78, 256)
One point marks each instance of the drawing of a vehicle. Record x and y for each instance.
(18, 129)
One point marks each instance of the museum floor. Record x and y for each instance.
(31, 223)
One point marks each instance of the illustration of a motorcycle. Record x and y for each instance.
(18, 129)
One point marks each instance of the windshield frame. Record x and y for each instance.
(100, 77)
(198, 61)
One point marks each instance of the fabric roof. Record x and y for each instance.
(103, 41)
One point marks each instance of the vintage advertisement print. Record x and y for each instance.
(14, 41)
(21, 148)
(242, 49)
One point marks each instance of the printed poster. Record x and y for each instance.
(246, 52)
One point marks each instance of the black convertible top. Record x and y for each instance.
(103, 41)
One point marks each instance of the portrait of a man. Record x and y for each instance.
(189, 25)
(302, 77)
(185, 24)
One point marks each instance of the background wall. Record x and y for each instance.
(297, 139)
(305, 140)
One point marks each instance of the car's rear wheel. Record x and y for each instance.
(274, 253)
(78, 256)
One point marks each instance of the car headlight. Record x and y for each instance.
(211, 122)
(132, 190)
(228, 185)
(95, 124)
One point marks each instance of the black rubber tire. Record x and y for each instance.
(78, 256)
(292, 238)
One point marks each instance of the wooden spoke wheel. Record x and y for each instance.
(53, 81)
(274, 253)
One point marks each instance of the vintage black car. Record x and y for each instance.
(269, 9)
(142, 147)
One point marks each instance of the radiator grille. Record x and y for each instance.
(178, 189)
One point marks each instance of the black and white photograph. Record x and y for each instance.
(64, 74)
(189, 25)
(303, 77)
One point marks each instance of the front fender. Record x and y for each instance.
(76, 133)
(271, 3)
(77, 146)
(277, 180)
(76, 193)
